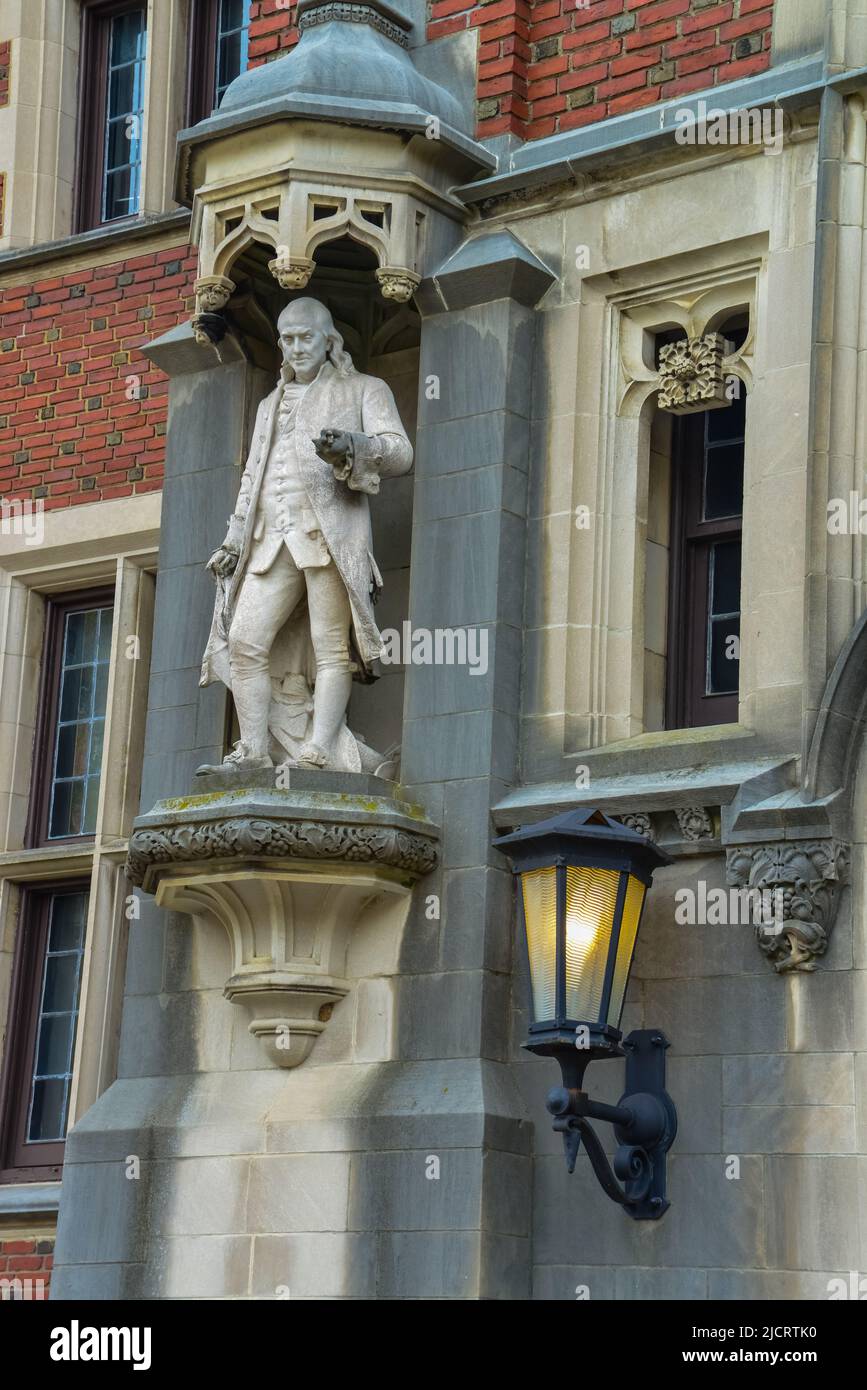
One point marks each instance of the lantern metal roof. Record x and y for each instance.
(586, 829)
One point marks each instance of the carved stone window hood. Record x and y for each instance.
(341, 137)
(288, 875)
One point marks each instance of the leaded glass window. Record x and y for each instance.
(81, 703)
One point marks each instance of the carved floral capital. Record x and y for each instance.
(691, 374)
(397, 284)
(292, 272)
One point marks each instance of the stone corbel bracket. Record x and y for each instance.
(800, 882)
(213, 293)
(287, 875)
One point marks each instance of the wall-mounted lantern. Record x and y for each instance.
(582, 879)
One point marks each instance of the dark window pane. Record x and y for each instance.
(232, 14)
(61, 983)
(66, 809)
(728, 422)
(90, 806)
(724, 662)
(724, 481)
(127, 37)
(96, 748)
(726, 577)
(91, 627)
(72, 741)
(233, 41)
(68, 916)
(58, 1017)
(54, 1051)
(48, 1112)
(61, 810)
(76, 699)
(230, 60)
(70, 692)
(82, 704)
(101, 692)
(105, 624)
(73, 653)
(121, 194)
(121, 101)
(119, 146)
(121, 176)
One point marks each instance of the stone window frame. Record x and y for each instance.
(617, 388)
(202, 52)
(685, 695)
(109, 544)
(42, 776)
(165, 109)
(96, 20)
(16, 1074)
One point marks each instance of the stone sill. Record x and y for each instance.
(660, 774)
(557, 157)
(131, 229)
(29, 1199)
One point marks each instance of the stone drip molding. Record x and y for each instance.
(809, 875)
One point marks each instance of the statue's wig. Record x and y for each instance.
(337, 354)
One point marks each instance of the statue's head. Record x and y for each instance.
(308, 338)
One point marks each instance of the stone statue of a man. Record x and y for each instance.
(296, 578)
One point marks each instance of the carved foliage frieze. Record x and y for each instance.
(242, 837)
(695, 823)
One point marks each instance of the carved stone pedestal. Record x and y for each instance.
(287, 872)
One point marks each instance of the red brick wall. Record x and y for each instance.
(5, 77)
(550, 65)
(82, 412)
(29, 1261)
(272, 30)
(505, 27)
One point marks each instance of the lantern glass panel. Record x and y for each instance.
(633, 903)
(591, 895)
(539, 887)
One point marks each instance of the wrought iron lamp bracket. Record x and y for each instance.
(644, 1120)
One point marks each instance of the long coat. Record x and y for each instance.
(364, 407)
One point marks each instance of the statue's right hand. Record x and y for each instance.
(223, 562)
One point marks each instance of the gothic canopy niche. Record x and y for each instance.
(343, 136)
